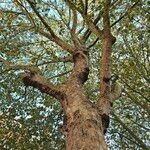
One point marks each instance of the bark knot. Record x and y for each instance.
(106, 80)
(105, 122)
(81, 62)
(83, 76)
(80, 55)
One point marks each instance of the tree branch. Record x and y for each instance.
(106, 97)
(26, 13)
(57, 40)
(86, 7)
(11, 66)
(144, 106)
(61, 74)
(39, 82)
(52, 36)
(91, 45)
(125, 14)
(33, 78)
(88, 31)
(94, 28)
(11, 12)
(80, 70)
(74, 26)
(142, 144)
(106, 18)
(64, 60)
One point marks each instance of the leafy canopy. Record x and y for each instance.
(31, 120)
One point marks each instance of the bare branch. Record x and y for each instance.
(88, 31)
(125, 14)
(26, 13)
(93, 43)
(74, 26)
(106, 19)
(142, 144)
(61, 74)
(52, 36)
(94, 28)
(11, 66)
(64, 60)
(86, 7)
(82, 28)
(57, 40)
(11, 12)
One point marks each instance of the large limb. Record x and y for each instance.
(108, 40)
(33, 77)
(37, 81)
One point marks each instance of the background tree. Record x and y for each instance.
(49, 35)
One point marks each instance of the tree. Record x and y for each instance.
(85, 121)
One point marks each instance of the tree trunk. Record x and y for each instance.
(82, 120)
(84, 125)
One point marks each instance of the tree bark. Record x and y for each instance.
(108, 40)
(82, 127)
(83, 124)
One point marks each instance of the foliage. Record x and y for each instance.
(31, 120)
